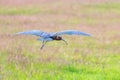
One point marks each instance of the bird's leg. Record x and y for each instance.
(65, 41)
(43, 44)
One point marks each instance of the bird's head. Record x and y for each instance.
(58, 38)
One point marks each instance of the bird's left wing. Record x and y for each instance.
(70, 32)
(34, 32)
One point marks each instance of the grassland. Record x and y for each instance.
(85, 58)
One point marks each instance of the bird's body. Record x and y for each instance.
(45, 37)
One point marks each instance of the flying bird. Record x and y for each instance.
(45, 37)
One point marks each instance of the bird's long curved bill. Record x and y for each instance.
(65, 41)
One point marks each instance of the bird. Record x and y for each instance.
(46, 37)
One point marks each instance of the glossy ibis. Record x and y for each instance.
(45, 37)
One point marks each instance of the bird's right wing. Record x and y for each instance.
(34, 32)
(70, 32)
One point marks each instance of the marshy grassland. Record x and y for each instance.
(85, 58)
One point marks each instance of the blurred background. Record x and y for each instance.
(86, 15)
(85, 58)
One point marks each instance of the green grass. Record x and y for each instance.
(19, 11)
(54, 72)
(86, 9)
(96, 58)
(100, 62)
(69, 72)
(102, 8)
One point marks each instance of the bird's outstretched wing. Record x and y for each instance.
(34, 32)
(70, 32)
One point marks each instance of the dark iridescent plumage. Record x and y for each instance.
(45, 37)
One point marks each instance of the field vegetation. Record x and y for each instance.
(85, 58)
